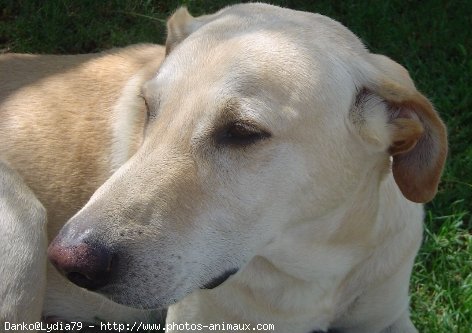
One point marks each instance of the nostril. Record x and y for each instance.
(84, 281)
(79, 279)
(87, 265)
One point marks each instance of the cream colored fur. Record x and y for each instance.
(66, 123)
(320, 213)
(23, 226)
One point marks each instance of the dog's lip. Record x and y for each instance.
(220, 279)
(116, 292)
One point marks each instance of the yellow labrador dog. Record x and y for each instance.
(66, 123)
(278, 182)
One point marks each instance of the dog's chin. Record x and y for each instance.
(137, 299)
(147, 299)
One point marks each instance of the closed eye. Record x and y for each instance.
(241, 134)
(151, 108)
(148, 112)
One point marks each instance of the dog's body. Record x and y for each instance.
(67, 122)
(23, 226)
(267, 151)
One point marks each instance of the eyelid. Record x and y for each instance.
(145, 102)
(152, 104)
(149, 114)
(141, 95)
(251, 125)
(254, 133)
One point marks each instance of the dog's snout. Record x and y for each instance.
(87, 265)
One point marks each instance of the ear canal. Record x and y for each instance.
(178, 28)
(418, 136)
(405, 135)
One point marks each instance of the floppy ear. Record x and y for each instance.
(417, 139)
(179, 26)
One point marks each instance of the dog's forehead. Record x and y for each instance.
(310, 30)
(268, 54)
(245, 64)
(263, 39)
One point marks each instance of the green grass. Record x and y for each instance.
(442, 280)
(431, 38)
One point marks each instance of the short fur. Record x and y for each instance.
(322, 231)
(22, 221)
(67, 122)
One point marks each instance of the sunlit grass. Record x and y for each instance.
(442, 280)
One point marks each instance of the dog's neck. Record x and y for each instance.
(299, 280)
(302, 272)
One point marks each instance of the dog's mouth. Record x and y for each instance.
(155, 299)
(220, 279)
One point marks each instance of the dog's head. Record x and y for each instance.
(260, 118)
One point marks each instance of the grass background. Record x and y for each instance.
(431, 38)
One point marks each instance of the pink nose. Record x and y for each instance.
(87, 265)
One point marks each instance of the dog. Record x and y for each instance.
(279, 182)
(67, 123)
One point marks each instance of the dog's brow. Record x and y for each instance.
(229, 111)
(233, 111)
